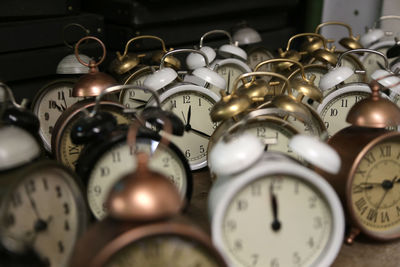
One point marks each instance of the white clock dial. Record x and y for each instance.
(230, 69)
(119, 161)
(49, 104)
(295, 236)
(336, 105)
(134, 98)
(192, 104)
(43, 209)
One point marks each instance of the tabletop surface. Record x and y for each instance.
(363, 252)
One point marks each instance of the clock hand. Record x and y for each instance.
(387, 185)
(65, 102)
(276, 224)
(183, 117)
(188, 127)
(138, 100)
(40, 224)
(200, 133)
(229, 81)
(58, 107)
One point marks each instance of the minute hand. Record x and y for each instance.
(200, 133)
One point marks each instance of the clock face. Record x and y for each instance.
(134, 98)
(230, 69)
(314, 127)
(193, 108)
(119, 161)
(49, 105)
(276, 220)
(375, 189)
(258, 55)
(46, 208)
(335, 107)
(273, 134)
(69, 152)
(163, 250)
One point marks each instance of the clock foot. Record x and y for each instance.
(354, 232)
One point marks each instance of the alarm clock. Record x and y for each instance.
(367, 179)
(265, 199)
(144, 220)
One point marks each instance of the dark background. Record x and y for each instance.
(34, 37)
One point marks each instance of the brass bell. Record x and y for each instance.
(169, 61)
(94, 82)
(325, 56)
(307, 88)
(312, 44)
(287, 103)
(124, 63)
(229, 106)
(253, 90)
(350, 42)
(374, 111)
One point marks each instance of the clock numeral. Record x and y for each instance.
(58, 191)
(231, 225)
(334, 112)
(66, 226)
(238, 244)
(50, 129)
(254, 259)
(60, 95)
(312, 202)
(361, 172)
(274, 262)
(97, 190)
(317, 224)
(187, 153)
(132, 93)
(398, 210)
(72, 150)
(52, 104)
(241, 204)
(370, 158)
(344, 103)
(9, 220)
(296, 258)
(116, 156)
(45, 184)
(30, 186)
(165, 162)
(372, 215)
(16, 200)
(60, 247)
(310, 242)
(215, 124)
(326, 124)
(46, 116)
(361, 205)
(173, 104)
(296, 188)
(386, 151)
(261, 132)
(104, 171)
(255, 190)
(66, 208)
(202, 150)
(199, 102)
(186, 99)
(385, 217)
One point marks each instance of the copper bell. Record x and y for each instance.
(374, 111)
(144, 195)
(94, 82)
